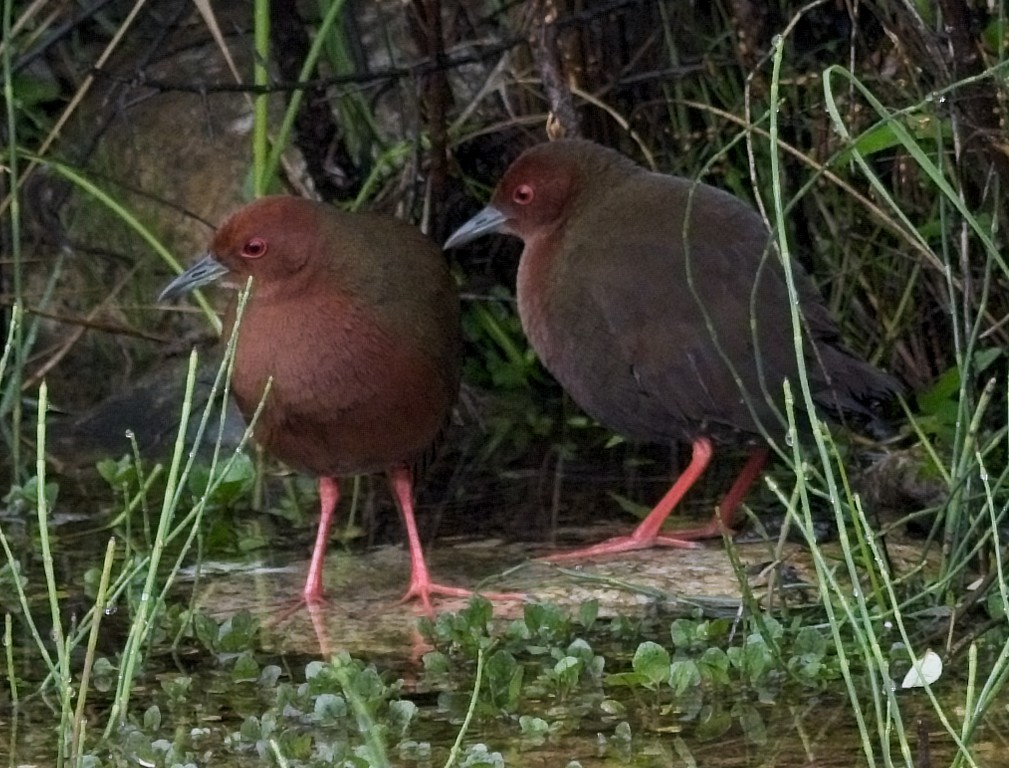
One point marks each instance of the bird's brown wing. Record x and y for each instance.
(703, 318)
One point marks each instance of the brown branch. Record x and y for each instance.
(563, 120)
(318, 138)
(750, 21)
(377, 77)
(426, 27)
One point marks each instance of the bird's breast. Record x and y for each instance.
(535, 293)
(347, 395)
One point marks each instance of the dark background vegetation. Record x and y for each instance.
(416, 108)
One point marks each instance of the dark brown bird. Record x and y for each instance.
(356, 319)
(660, 305)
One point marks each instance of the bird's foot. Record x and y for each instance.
(620, 544)
(313, 597)
(425, 590)
(309, 600)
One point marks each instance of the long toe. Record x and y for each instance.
(287, 607)
(312, 595)
(423, 592)
(619, 544)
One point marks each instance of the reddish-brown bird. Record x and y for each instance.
(356, 319)
(661, 307)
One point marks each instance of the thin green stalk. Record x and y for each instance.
(863, 532)
(975, 707)
(908, 142)
(866, 637)
(261, 77)
(192, 522)
(354, 114)
(898, 622)
(298, 95)
(29, 332)
(957, 534)
(26, 614)
(142, 622)
(749, 600)
(826, 583)
(148, 565)
(222, 383)
(961, 324)
(219, 392)
(810, 408)
(453, 755)
(281, 759)
(140, 498)
(9, 658)
(173, 494)
(366, 724)
(132, 222)
(675, 103)
(9, 655)
(15, 244)
(42, 514)
(390, 158)
(355, 503)
(197, 582)
(64, 680)
(141, 481)
(15, 321)
(964, 338)
(970, 719)
(77, 738)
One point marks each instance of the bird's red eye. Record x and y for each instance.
(523, 194)
(255, 248)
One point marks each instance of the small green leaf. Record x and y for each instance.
(206, 631)
(652, 661)
(810, 641)
(683, 674)
(535, 727)
(152, 718)
(250, 729)
(436, 663)
(329, 708)
(588, 611)
(402, 712)
(713, 722)
(714, 666)
(682, 632)
(626, 680)
(246, 668)
(752, 723)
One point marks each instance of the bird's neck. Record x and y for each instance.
(537, 274)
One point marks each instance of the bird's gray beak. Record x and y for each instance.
(489, 219)
(202, 272)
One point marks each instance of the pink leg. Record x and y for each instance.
(725, 516)
(421, 587)
(329, 495)
(647, 535)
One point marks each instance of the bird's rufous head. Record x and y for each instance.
(268, 240)
(536, 194)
